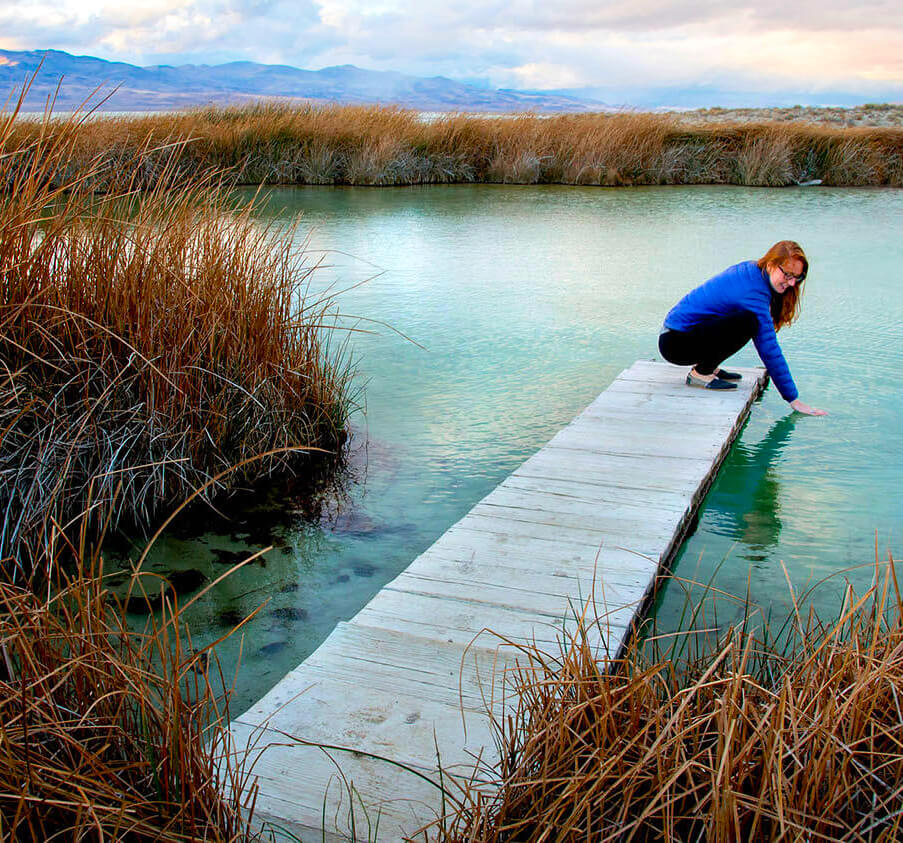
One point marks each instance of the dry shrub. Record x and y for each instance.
(751, 741)
(107, 734)
(150, 340)
(689, 160)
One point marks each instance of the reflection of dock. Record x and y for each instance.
(609, 497)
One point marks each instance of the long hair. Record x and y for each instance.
(785, 308)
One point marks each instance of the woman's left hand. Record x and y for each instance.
(801, 407)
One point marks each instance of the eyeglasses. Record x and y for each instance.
(790, 277)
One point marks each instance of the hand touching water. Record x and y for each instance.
(801, 407)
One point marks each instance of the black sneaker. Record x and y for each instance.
(715, 383)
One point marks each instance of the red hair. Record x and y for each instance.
(785, 308)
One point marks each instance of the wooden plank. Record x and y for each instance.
(485, 552)
(652, 372)
(616, 471)
(676, 409)
(602, 437)
(602, 520)
(614, 580)
(561, 550)
(733, 399)
(396, 722)
(535, 602)
(303, 787)
(463, 621)
(578, 531)
(594, 494)
(530, 539)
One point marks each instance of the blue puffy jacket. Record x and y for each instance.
(742, 287)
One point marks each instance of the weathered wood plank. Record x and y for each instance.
(581, 528)
(462, 621)
(561, 550)
(593, 493)
(617, 582)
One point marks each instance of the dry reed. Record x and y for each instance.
(751, 741)
(369, 145)
(108, 734)
(149, 340)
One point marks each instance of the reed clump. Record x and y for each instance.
(750, 740)
(108, 733)
(278, 143)
(152, 338)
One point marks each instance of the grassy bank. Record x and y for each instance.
(279, 144)
(750, 740)
(151, 340)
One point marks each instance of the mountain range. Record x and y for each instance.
(163, 87)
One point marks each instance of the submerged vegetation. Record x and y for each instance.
(361, 145)
(793, 737)
(152, 341)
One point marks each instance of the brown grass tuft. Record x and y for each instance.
(150, 339)
(751, 741)
(108, 734)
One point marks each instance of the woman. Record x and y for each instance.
(748, 301)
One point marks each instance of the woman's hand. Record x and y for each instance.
(800, 407)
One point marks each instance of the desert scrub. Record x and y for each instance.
(150, 340)
(795, 736)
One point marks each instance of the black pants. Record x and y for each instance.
(707, 344)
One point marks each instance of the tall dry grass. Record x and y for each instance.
(751, 740)
(107, 733)
(369, 145)
(150, 338)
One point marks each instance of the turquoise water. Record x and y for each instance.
(521, 305)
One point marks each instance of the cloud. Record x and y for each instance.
(651, 16)
(512, 43)
(144, 30)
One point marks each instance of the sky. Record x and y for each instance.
(773, 45)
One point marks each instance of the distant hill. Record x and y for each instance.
(163, 87)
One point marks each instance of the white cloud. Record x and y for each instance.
(513, 43)
(545, 75)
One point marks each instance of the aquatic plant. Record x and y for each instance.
(281, 143)
(150, 339)
(108, 733)
(760, 737)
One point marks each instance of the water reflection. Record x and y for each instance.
(747, 506)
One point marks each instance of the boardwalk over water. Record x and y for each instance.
(602, 507)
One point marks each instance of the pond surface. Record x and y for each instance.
(524, 304)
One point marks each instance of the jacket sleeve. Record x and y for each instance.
(766, 343)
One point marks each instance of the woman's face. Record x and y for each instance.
(785, 275)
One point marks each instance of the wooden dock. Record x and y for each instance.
(601, 508)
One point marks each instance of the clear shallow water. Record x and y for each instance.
(527, 302)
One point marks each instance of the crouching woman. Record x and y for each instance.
(751, 300)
